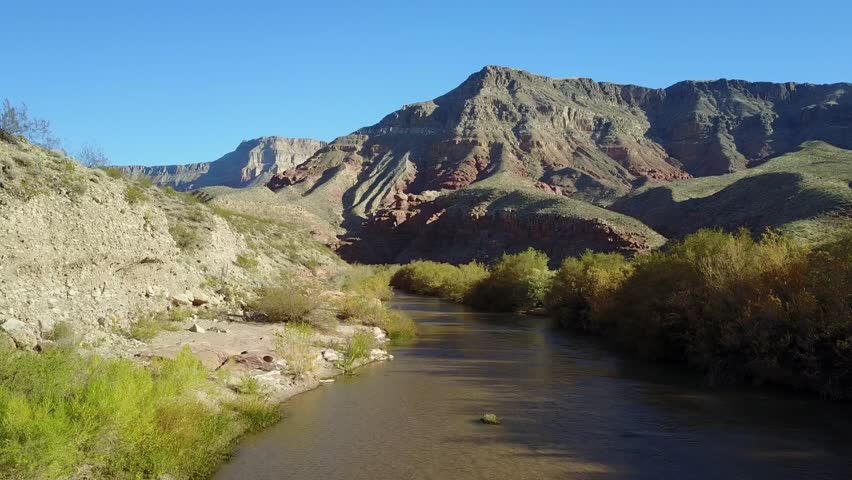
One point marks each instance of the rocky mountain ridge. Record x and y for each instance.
(591, 141)
(253, 162)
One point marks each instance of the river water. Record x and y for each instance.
(570, 409)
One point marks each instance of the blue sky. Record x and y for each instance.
(175, 82)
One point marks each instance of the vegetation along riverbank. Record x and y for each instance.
(768, 310)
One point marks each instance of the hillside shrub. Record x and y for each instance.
(285, 304)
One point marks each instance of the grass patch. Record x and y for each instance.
(60, 410)
(255, 414)
(294, 342)
(246, 262)
(357, 349)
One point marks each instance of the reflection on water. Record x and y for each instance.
(571, 409)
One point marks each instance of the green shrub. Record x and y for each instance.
(451, 282)
(249, 386)
(285, 304)
(358, 307)
(583, 289)
(135, 194)
(60, 410)
(400, 327)
(146, 327)
(179, 314)
(369, 281)
(516, 282)
(186, 238)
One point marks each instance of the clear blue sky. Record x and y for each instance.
(175, 82)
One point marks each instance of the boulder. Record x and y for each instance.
(379, 334)
(330, 355)
(199, 299)
(377, 355)
(23, 334)
(182, 299)
(197, 328)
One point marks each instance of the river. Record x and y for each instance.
(570, 409)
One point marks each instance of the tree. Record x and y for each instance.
(16, 122)
(92, 156)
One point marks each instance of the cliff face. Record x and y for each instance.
(254, 162)
(591, 141)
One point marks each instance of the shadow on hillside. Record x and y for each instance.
(757, 202)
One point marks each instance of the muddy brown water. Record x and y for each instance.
(570, 409)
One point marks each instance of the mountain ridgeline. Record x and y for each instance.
(254, 162)
(530, 160)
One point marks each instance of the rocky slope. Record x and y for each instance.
(253, 162)
(806, 193)
(98, 253)
(487, 219)
(591, 141)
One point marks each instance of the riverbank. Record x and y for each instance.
(175, 408)
(772, 310)
(571, 408)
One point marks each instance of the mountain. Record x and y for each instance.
(571, 138)
(254, 162)
(807, 193)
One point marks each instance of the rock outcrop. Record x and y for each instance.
(254, 162)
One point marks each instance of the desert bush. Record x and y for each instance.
(15, 122)
(135, 194)
(60, 410)
(92, 156)
(516, 282)
(186, 238)
(146, 327)
(583, 289)
(295, 343)
(369, 281)
(440, 279)
(358, 307)
(113, 172)
(285, 304)
(400, 327)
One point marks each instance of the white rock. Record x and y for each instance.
(23, 334)
(330, 355)
(379, 333)
(196, 328)
(377, 354)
